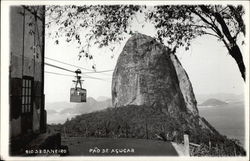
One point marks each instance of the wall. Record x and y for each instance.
(26, 47)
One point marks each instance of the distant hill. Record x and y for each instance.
(90, 106)
(58, 112)
(58, 106)
(226, 97)
(213, 102)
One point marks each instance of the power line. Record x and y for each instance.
(58, 74)
(74, 76)
(55, 66)
(93, 78)
(104, 71)
(91, 71)
(68, 64)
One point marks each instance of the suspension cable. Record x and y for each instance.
(68, 64)
(58, 74)
(55, 66)
(104, 71)
(85, 76)
(91, 71)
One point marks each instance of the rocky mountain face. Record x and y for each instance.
(185, 86)
(148, 73)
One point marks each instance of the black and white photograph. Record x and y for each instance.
(124, 79)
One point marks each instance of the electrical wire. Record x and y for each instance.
(68, 64)
(91, 71)
(86, 76)
(55, 66)
(104, 71)
(58, 74)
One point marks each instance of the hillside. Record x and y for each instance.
(142, 122)
(129, 121)
(213, 102)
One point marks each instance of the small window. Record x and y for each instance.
(27, 95)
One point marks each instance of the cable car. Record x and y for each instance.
(78, 94)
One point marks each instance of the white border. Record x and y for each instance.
(5, 78)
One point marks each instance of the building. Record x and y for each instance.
(27, 113)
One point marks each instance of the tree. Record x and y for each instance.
(180, 24)
(101, 25)
(176, 25)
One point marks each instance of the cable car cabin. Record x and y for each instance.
(77, 95)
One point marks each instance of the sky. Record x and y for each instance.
(209, 66)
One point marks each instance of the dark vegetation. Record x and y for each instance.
(225, 147)
(149, 123)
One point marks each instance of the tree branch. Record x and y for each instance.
(222, 9)
(201, 17)
(222, 23)
(227, 46)
(236, 35)
(202, 26)
(207, 33)
(224, 27)
(213, 26)
(217, 30)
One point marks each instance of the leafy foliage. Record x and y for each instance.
(227, 148)
(176, 25)
(88, 25)
(179, 24)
